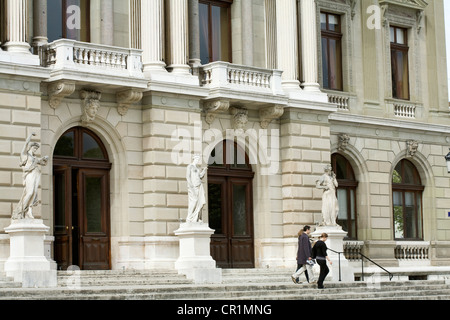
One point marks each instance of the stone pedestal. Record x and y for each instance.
(335, 242)
(27, 262)
(195, 260)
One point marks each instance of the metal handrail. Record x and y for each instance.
(362, 265)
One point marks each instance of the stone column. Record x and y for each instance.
(39, 24)
(194, 32)
(287, 42)
(152, 34)
(16, 26)
(309, 45)
(178, 36)
(107, 22)
(247, 32)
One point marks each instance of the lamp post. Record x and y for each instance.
(447, 158)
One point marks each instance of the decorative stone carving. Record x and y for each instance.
(126, 98)
(266, 115)
(411, 148)
(214, 107)
(91, 104)
(31, 179)
(343, 141)
(196, 192)
(330, 205)
(58, 91)
(240, 117)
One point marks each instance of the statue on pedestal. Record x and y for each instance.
(330, 205)
(196, 192)
(31, 179)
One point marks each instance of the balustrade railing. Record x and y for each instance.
(412, 250)
(224, 74)
(71, 54)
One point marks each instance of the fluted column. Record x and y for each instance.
(309, 45)
(247, 32)
(152, 34)
(178, 36)
(39, 24)
(16, 26)
(194, 34)
(287, 42)
(107, 22)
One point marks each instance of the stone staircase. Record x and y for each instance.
(241, 284)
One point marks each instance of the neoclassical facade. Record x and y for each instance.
(122, 95)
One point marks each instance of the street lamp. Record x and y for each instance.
(447, 158)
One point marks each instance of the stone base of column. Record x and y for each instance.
(182, 69)
(335, 242)
(27, 262)
(311, 87)
(195, 260)
(17, 47)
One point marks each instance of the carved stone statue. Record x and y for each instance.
(330, 205)
(196, 193)
(31, 179)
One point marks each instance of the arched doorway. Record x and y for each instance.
(230, 204)
(81, 201)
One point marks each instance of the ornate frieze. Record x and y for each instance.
(411, 148)
(91, 104)
(126, 98)
(240, 117)
(343, 141)
(58, 91)
(212, 108)
(266, 115)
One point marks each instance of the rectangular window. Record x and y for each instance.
(215, 31)
(331, 38)
(399, 63)
(68, 19)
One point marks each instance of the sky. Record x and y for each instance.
(447, 36)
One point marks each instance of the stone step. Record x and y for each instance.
(240, 284)
(238, 291)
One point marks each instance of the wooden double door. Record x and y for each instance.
(230, 209)
(81, 204)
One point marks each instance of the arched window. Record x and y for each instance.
(346, 194)
(407, 201)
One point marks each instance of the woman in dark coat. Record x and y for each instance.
(303, 255)
(319, 252)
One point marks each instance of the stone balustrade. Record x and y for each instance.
(402, 110)
(248, 79)
(352, 248)
(95, 58)
(412, 250)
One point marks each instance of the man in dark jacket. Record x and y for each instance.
(304, 256)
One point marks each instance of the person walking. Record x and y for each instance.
(319, 252)
(304, 256)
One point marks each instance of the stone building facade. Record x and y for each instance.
(126, 92)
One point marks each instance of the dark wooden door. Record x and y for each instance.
(230, 206)
(81, 202)
(93, 219)
(63, 226)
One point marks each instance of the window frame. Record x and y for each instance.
(332, 35)
(404, 49)
(64, 16)
(223, 4)
(349, 184)
(415, 188)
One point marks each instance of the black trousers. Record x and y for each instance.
(323, 272)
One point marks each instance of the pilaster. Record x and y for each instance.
(178, 36)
